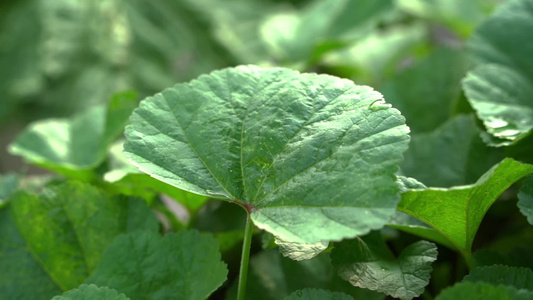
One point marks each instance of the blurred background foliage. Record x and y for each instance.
(61, 57)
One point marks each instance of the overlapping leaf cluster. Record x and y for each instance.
(354, 193)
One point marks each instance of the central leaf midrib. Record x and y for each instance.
(244, 119)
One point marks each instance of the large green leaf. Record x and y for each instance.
(144, 265)
(50, 243)
(91, 291)
(483, 291)
(429, 158)
(76, 146)
(520, 278)
(314, 294)
(457, 212)
(500, 89)
(273, 277)
(367, 263)
(422, 89)
(312, 157)
(525, 199)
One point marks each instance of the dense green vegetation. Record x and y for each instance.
(337, 149)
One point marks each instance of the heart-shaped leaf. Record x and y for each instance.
(367, 263)
(312, 157)
(143, 265)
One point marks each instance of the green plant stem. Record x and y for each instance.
(467, 255)
(245, 258)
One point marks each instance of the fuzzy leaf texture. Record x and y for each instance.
(367, 263)
(50, 243)
(143, 265)
(313, 157)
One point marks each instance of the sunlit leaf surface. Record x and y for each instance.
(311, 156)
(143, 265)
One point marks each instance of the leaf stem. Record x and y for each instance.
(467, 255)
(245, 258)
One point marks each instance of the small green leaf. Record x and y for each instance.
(144, 265)
(91, 292)
(367, 263)
(304, 152)
(409, 183)
(519, 278)
(50, 243)
(483, 291)
(298, 251)
(314, 294)
(457, 212)
(500, 88)
(428, 158)
(525, 199)
(76, 146)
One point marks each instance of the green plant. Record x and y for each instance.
(289, 184)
